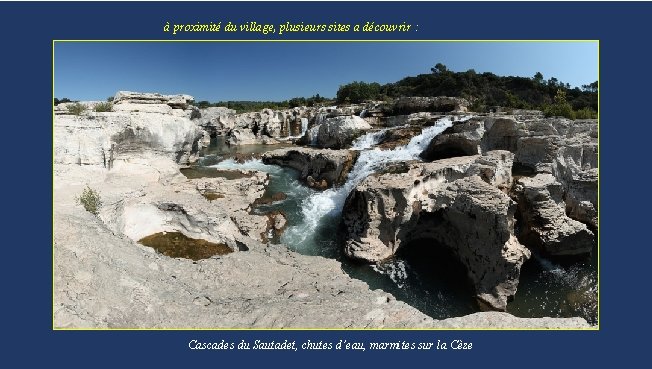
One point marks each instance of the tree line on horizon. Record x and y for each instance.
(243, 106)
(485, 91)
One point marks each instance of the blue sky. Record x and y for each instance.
(217, 71)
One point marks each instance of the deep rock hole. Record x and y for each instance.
(437, 267)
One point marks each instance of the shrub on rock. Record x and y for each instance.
(90, 200)
(76, 108)
(103, 107)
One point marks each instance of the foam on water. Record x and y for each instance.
(547, 287)
(254, 164)
(304, 126)
(395, 269)
(369, 140)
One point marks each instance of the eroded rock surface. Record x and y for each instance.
(104, 138)
(566, 149)
(265, 127)
(462, 138)
(414, 119)
(216, 120)
(331, 166)
(455, 202)
(337, 132)
(179, 101)
(544, 217)
(103, 280)
(401, 136)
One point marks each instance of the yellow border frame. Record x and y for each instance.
(595, 328)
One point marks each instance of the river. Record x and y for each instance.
(427, 278)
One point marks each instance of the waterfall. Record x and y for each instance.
(329, 203)
(304, 126)
(363, 113)
(369, 140)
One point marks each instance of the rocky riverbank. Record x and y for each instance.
(465, 197)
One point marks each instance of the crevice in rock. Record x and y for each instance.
(449, 150)
(522, 170)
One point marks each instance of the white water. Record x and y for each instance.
(254, 164)
(369, 140)
(304, 126)
(327, 205)
(396, 269)
(313, 138)
(567, 277)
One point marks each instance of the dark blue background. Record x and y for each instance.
(27, 33)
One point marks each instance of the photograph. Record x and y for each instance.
(325, 184)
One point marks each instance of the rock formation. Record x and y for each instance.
(107, 281)
(566, 149)
(337, 132)
(264, 127)
(455, 202)
(104, 278)
(461, 198)
(463, 138)
(216, 120)
(442, 104)
(180, 101)
(401, 136)
(545, 222)
(104, 138)
(315, 165)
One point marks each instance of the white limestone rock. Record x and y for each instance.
(339, 132)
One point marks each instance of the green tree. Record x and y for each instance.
(357, 92)
(439, 68)
(561, 107)
(64, 100)
(203, 104)
(591, 87)
(297, 101)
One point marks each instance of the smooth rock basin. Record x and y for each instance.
(178, 245)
